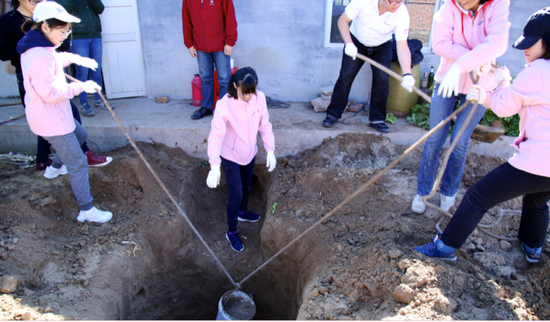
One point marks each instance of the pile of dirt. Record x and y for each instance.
(147, 263)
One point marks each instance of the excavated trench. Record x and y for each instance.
(148, 264)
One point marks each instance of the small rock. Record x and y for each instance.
(161, 99)
(445, 305)
(10, 284)
(323, 290)
(470, 246)
(503, 271)
(404, 264)
(395, 253)
(404, 294)
(40, 234)
(478, 241)
(480, 248)
(47, 310)
(480, 276)
(26, 316)
(327, 90)
(504, 245)
(459, 281)
(315, 292)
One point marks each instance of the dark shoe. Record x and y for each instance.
(200, 113)
(329, 122)
(532, 255)
(41, 166)
(86, 110)
(248, 216)
(380, 127)
(235, 241)
(437, 248)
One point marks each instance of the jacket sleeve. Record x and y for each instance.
(230, 23)
(50, 88)
(495, 43)
(443, 32)
(217, 134)
(187, 25)
(8, 44)
(265, 128)
(526, 90)
(98, 6)
(66, 58)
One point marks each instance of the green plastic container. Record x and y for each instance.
(399, 99)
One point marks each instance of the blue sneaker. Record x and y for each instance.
(86, 110)
(437, 248)
(235, 241)
(248, 216)
(532, 255)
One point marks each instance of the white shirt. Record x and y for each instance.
(373, 29)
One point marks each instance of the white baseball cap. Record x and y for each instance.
(49, 10)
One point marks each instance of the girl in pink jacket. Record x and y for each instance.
(467, 35)
(238, 118)
(48, 108)
(527, 173)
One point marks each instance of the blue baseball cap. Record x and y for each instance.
(537, 25)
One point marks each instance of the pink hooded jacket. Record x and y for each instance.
(470, 40)
(48, 109)
(528, 96)
(235, 127)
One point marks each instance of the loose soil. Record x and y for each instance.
(147, 263)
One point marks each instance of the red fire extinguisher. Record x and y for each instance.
(196, 87)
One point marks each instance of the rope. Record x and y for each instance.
(161, 183)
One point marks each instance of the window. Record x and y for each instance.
(420, 11)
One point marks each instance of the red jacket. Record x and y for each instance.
(208, 25)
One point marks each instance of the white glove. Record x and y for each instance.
(91, 87)
(408, 83)
(351, 50)
(477, 93)
(484, 69)
(502, 73)
(271, 162)
(84, 62)
(449, 84)
(214, 176)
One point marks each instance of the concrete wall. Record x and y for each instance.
(281, 39)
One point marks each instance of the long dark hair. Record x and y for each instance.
(53, 23)
(246, 79)
(546, 43)
(15, 4)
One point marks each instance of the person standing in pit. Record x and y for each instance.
(47, 98)
(468, 35)
(370, 34)
(210, 33)
(527, 173)
(240, 115)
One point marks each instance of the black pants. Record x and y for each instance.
(239, 179)
(43, 146)
(380, 81)
(503, 183)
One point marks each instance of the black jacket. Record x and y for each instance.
(10, 34)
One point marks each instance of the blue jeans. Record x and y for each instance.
(91, 48)
(70, 154)
(207, 61)
(503, 183)
(239, 179)
(440, 109)
(380, 81)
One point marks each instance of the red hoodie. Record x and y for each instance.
(209, 25)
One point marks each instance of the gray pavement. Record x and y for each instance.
(296, 128)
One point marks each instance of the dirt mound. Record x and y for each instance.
(147, 263)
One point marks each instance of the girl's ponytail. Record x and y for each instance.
(246, 79)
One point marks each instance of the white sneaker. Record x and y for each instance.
(418, 206)
(52, 173)
(447, 202)
(94, 215)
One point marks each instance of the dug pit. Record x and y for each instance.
(147, 263)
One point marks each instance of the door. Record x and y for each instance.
(123, 70)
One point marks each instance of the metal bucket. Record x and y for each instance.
(236, 305)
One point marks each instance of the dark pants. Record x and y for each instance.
(380, 81)
(503, 183)
(239, 179)
(43, 146)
